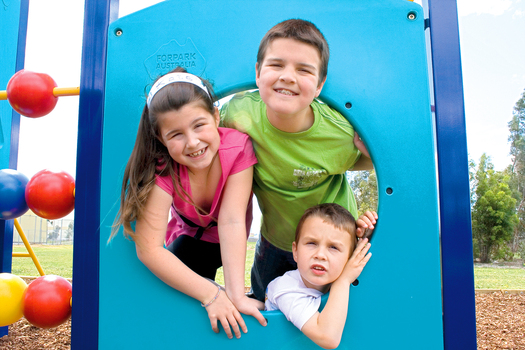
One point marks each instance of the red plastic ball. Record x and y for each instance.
(31, 94)
(51, 195)
(47, 301)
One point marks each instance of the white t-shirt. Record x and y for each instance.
(296, 301)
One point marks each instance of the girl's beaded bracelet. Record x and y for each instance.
(214, 298)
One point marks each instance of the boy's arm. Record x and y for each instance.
(364, 162)
(326, 328)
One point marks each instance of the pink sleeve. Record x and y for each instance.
(246, 158)
(165, 183)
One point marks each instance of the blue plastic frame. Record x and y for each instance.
(459, 314)
(97, 16)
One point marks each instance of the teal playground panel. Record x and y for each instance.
(9, 25)
(377, 78)
(13, 23)
(13, 26)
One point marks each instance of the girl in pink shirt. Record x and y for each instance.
(183, 164)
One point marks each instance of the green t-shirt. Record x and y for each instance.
(295, 171)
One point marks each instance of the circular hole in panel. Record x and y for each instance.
(363, 184)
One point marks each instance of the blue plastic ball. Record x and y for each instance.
(12, 194)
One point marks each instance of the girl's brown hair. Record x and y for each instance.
(150, 157)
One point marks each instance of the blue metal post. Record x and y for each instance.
(459, 316)
(97, 16)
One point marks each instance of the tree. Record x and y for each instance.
(493, 213)
(364, 185)
(517, 171)
(53, 235)
(70, 230)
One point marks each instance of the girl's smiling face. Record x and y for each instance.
(191, 136)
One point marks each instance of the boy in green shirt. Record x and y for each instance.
(303, 146)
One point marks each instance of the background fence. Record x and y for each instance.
(43, 231)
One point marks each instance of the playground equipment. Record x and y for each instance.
(30, 253)
(377, 78)
(47, 301)
(13, 185)
(12, 290)
(12, 192)
(33, 94)
(50, 194)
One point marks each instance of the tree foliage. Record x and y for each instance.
(517, 172)
(364, 184)
(493, 212)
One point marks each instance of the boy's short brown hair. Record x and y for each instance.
(333, 214)
(300, 30)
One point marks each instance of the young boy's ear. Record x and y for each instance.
(320, 87)
(294, 251)
(257, 73)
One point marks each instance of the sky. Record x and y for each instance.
(492, 39)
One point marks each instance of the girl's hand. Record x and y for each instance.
(366, 221)
(222, 310)
(249, 306)
(357, 261)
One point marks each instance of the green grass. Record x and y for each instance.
(496, 278)
(58, 260)
(54, 259)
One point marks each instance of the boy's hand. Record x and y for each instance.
(358, 142)
(366, 222)
(357, 261)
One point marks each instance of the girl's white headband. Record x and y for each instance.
(171, 78)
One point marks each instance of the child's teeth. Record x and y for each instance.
(285, 92)
(197, 153)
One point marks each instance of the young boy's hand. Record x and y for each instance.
(357, 261)
(366, 221)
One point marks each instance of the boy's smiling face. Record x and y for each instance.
(288, 81)
(321, 253)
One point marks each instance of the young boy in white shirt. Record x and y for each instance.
(324, 241)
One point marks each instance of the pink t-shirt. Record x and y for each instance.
(235, 154)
